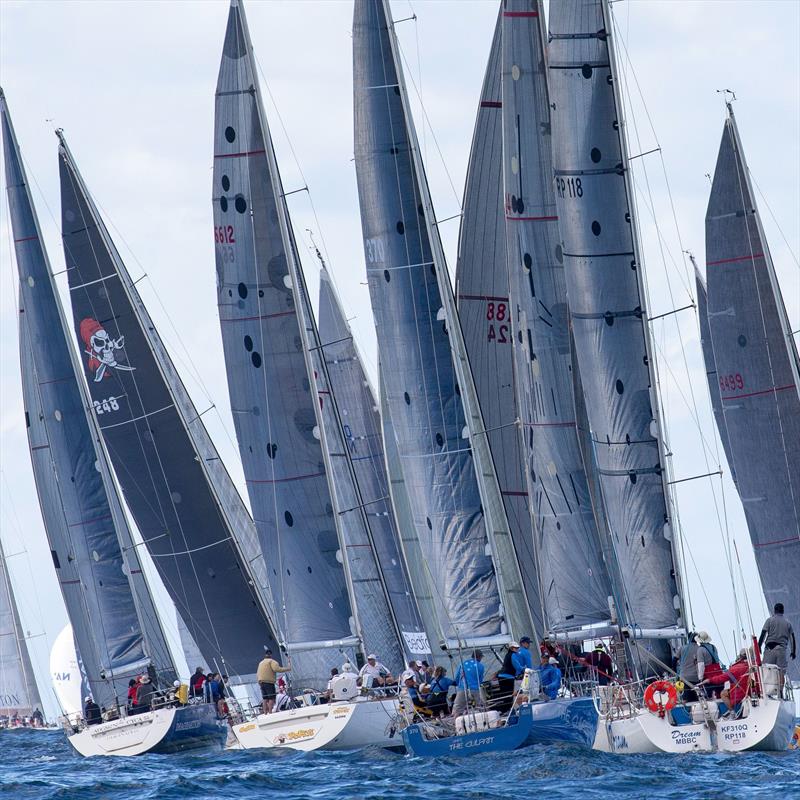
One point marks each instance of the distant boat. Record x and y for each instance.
(19, 695)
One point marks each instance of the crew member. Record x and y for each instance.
(468, 680)
(778, 633)
(91, 712)
(550, 676)
(511, 670)
(268, 668)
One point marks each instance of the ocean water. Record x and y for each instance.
(36, 765)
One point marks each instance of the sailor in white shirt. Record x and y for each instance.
(343, 686)
(373, 673)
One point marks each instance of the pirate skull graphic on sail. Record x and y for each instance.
(101, 349)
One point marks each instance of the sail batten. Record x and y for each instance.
(573, 575)
(754, 362)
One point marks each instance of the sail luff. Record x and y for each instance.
(205, 550)
(756, 365)
(574, 577)
(483, 309)
(608, 309)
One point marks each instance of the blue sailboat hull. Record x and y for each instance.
(195, 727)
(562, 720)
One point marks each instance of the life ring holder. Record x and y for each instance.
(660, 697)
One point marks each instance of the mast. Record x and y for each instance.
(185, 506)
(574, 578)
(116, 625)
(18, 691)
(261, 296)
(448, 471)
(603, 266)
(756, 361)
(484, 312)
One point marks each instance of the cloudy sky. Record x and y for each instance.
(132, 84)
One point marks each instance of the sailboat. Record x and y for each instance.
(19, 695)
(312, 517)
(116, 625)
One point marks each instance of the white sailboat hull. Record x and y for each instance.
(767, 726)
(331, 726)
(166, 730)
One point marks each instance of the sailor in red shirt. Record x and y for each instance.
(739, 676)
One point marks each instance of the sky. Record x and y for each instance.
(132, 85)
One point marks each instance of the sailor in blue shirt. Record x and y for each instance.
(469, 677)
(550, 676)
(524, 654)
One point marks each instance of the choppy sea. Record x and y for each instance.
(37, 765)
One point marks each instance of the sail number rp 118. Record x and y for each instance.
(569, 187)
(497, 314)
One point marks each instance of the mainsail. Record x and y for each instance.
(608, 308)
(117, 629)
(361, 436)
(268, 377)
(457, 508)
(184, 503)
(484, 311)
(19, 695)
(574, 581)
(758, 375)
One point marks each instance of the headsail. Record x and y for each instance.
(184, 503)
(574, 580)
(361, 435)
(19, 695)
(484, 311)
(756, 362)
(449, 476)
(116, 626)
(608, 307)
(268, 378)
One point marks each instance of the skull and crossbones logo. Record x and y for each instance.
(101, 349)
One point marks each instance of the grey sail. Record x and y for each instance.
(268, 376)
(711, 369)
(457, 508)
(574, 581)
(360, 425)
(419, 575)
(116, 625)
(608, 308)
(484, 311)
(185, 506)
(756, 362)
(19, 695)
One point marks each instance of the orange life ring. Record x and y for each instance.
(660, 696)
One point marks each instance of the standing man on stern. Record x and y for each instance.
(777, 632)
(268, 668)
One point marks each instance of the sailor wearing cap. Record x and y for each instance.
(550, 676)
(373, 673)
(524, 654)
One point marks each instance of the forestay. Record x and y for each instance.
(756, 362)
(484, 311)
(268, 379)
(360, 427)
(608, 308)
(185, 506)
(441, 440)
(107, 600)
(574, 580)
(19, 695)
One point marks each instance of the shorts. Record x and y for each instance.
(775, 655)
(267, 690)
